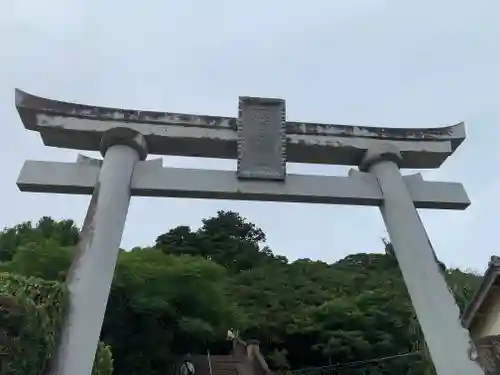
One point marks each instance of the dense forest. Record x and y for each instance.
(181, 294)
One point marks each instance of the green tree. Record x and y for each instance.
(182, 295)
(44, 259)
(63, 232)
(227, 239)
(162, 306)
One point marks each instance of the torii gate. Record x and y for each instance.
(262, 141)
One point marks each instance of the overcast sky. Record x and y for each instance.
(412, 63)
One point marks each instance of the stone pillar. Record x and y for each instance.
(91, 273)
(438, 314)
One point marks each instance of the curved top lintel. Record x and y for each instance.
(30, 107)
(55, 107)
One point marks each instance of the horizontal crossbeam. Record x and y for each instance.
(150, 179)
(77, 126)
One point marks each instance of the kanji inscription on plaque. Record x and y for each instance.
(261, 139)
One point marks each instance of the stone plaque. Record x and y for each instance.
(261, 139)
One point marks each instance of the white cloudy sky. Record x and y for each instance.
(380, 62)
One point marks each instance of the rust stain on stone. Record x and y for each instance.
(86, 236)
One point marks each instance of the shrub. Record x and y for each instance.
(103, 364)
(31, 315)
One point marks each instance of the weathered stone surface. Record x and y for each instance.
(261, 139)
(488, 354)
(80, 127)
(150, 179)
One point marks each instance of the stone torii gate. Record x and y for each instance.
(262, 141)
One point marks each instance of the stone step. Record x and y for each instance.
(221, 365)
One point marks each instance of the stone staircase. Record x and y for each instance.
(224, 365)
(220, 365)
(244, 360)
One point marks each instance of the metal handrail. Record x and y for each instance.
(209, 362)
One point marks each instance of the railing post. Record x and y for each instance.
(209, 362)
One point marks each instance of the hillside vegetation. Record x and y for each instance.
(183, 293)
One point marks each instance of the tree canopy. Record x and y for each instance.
(182, 294)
